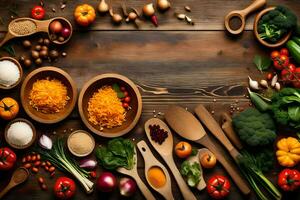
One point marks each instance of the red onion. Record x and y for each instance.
(106, 182)
(127, 187)
(66, 32)
(87, 163)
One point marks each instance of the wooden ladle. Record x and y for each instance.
(241, 15)
(188, 127)
(41, 26)
(151, 161)
(19, 176)
(134, 174)
(166, 151)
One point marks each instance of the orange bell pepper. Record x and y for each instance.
(84, 14)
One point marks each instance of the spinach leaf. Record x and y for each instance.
(294, 113)
(117, 89)
(262, 63)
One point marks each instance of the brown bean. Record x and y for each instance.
(46, 168)
(43, 164)
(33, 158)
(37, 163)
(44, 186)
(52, 169)
(35, 170)
(48, 163)
(52, 174)
(27, 165)
(28, 158)
(38, 157)
(23, 159)
(41, 180)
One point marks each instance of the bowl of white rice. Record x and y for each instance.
(20, 133)
(10, 73)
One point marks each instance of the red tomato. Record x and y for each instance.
(275, 54)
(287, 74)
(296, 81)
(281, 62)
(38, 12)
(7, 158)
(269, 76)
(289, 179)
(125, 105)
(127, 99)
(218, 187)
(284, 51)
(64, 188)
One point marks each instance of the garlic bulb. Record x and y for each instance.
(148, 10)
(163, 4)
(253, 84)
(45, 142)
(131, 17)
(274, 80)
(277, 86)
(264, 83)
(103, 7)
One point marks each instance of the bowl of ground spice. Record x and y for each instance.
(80, 143)
(110, 105)
(10, 73)
(48, 95)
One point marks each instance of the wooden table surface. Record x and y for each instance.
(175, 63)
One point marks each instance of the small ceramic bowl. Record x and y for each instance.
(43, 73)
(20, 69)
(71, 149)
(27, 122)
(132, 115)
(281, 42)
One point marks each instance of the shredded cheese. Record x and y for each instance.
(105, 108)
(48, 96)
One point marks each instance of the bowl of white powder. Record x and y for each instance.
(20, 133)
(10, 73)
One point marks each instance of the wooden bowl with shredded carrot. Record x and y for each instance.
(48, 95)
(101, 108)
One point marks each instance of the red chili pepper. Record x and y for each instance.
(154, 20)
(7, 158)
(289, 179)
(93, 174)
(38, 12)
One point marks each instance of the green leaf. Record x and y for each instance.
(9, 49)
(294, 113)
(262, 63)
(117, 89)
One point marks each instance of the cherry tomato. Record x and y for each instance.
(281, 62)
(269, 76)
(183, 149)
(126, 94)
(123, 89)
(38, 12)
(93, 174)
(64, 188)
(127, 99)
(296, 81)
(275, 54)
(286, 75)
(125, 105)
(284, 51)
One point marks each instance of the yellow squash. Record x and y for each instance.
(288, 153)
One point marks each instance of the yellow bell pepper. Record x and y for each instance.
(288, 153)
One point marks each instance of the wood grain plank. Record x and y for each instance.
(207, 14)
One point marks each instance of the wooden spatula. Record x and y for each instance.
(188, 127)
(166, 151)
(134, 174)
(19, 176)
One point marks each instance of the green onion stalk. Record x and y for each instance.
(62, 161)
(251, 169)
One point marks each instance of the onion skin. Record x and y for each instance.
(88, 163)
(45, 142)
(106, 182)
(127, 187)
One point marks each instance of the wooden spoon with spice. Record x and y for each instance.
(19, 176)
(165, 149)
(134, 174)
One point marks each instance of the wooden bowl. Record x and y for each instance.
(20, 69)
(42, 73)
(132, 116)
(69, 145)
(20, 120)
(65, 23)
(282, 41)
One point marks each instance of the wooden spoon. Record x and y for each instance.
(41, 26)
(166, 152)
(242, 14)
(151, 161)
(19, 176)
(134, 174)
(187, 126)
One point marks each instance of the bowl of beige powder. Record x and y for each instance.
(80, 143)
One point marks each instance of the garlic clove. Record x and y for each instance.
(277, 86)
(117, 19)
(163, 5)
(264, 83)
(148, 10)
(45, 142)
(180, 16)
(103, 7)
(253, 84)
(274, 80)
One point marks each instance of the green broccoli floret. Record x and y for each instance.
(254, 128)
(286, 19)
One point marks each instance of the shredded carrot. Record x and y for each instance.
(48, 96)
(105, 108)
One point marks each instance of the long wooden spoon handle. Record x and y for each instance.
(5, 190)
(232, 171)
(213, 126)
(254, 6)
(144, 189)
(184, 188)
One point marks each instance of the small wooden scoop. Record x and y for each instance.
(19, 176)
(134, 174)
(187, 126)
(151, 161)
(41, 26)
(242, 14)
(166, 152)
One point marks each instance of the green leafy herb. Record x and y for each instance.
(119, 152)
(262, 63)
(194, 152)
(9, 49)
(117, 89)
(191, 171)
